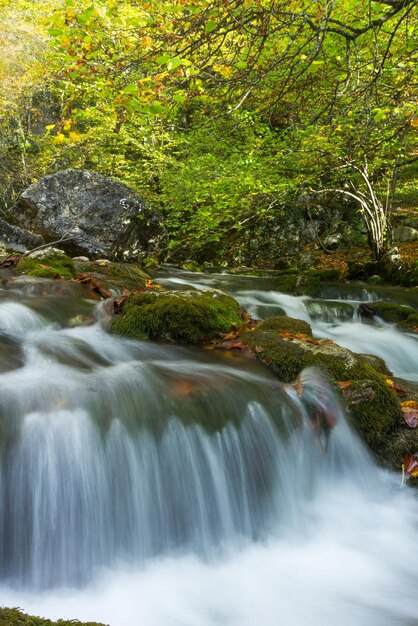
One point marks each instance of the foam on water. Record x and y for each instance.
(354, 563)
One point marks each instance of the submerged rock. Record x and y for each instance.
(182, 316)
(93, 215)
(287, 347)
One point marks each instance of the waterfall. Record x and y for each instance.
(132, 473)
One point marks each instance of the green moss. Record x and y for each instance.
(390, 312)
(114, 277)
(183, 316)
(330, 274)
(149, 262)
(405, 317)
(284, 323)
(404, 443)
(298, 284)
(375, 279)
(410, 324)
(14, 617)
(47, 267)
(191, 266)
(374, 408)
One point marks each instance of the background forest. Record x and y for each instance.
(251, 125)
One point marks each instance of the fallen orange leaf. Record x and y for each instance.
(344, 384)
(411, 465)
(410, 415)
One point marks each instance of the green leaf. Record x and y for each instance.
(132, 88)
(174, 63)
(210, 26)
(163, 59)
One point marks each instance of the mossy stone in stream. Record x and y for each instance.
(47, 266)
(14, 617)
(181, 316)
(405, 317)
(373, 406)
(331, 274)
(114, 276)
(298, 284)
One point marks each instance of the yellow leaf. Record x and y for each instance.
(59, 138)
(146, 43)
(226, 71)
(414, 122)
(67, 125)
(73, 136)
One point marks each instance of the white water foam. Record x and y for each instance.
(355, 564)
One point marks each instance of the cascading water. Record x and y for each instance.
(334, 318)
(158, 485)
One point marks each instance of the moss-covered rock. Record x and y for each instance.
(298, 284)
(191, 266)
(330, 274)
(375, 279)
(51, 266)
(286, 346)
(14, 617)
(182, 316)
(405, 317)
(112, 276)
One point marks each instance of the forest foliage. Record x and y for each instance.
(221, 113)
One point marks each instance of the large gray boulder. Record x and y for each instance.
(92, 215)
(13, 238)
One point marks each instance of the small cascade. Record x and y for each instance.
(334, 317)
(120, 450)
(144, 483)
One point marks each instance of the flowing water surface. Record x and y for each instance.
(144, 484)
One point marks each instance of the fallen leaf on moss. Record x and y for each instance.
(92, 285)
(398, 391)
(344, 384)
(411, 465)
(410, 413)
(120, 301)
(410, 403)
(11, 261)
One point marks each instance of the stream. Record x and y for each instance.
(158, 485)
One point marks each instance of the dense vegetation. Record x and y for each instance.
(230, 116)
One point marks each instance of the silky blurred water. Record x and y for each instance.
(159, 485)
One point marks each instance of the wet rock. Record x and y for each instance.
(405, 317)
(101, 277)
(180, 316)
(286, 346)
(375, 279)
(93, 216)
